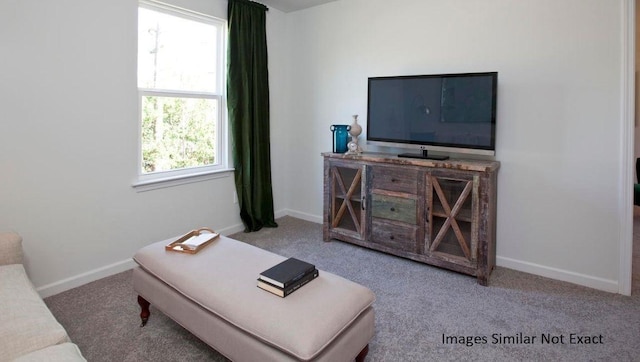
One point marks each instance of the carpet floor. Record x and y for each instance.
(423, 313)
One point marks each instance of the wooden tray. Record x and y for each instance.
(181, 246)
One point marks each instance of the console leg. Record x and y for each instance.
(144, 313)
(360, 357)
(483, 280)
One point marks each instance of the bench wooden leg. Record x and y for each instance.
(360, 357)
(144, 313)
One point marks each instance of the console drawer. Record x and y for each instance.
(394, 208)
(395, 179)
(395, 236)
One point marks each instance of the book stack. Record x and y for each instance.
(287, 277)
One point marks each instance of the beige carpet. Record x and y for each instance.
(416, 306)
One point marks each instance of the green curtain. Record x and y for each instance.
(248, 106)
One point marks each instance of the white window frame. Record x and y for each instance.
(161, 179)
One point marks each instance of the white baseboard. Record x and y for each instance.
(606, 285)
(523, 266)
(111, 269)
(231, 229)
(280, 213)
(301, 215)
(84, 278)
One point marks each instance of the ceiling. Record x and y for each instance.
(293, 5)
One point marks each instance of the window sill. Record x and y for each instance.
(160, 183)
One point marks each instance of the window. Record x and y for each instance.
(181, 98)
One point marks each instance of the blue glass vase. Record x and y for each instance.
(340, 137)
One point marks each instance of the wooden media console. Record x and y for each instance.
(441, 213)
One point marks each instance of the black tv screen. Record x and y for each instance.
(447, 111)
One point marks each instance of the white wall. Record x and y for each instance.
(559, 110)
(637, 89)
(68, 129)
(68, 142)
(281, 133)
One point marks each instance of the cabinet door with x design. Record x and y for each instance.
(345, 210)
(452, 217)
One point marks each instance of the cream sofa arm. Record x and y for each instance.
(10, 248)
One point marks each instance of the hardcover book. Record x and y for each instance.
(286, 273)
(290, 289)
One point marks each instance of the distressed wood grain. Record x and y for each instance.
(441, 213)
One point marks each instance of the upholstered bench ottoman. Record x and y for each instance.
(213, 294)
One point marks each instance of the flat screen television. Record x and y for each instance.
(442, 112)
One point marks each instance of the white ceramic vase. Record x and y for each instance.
(355, 131)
